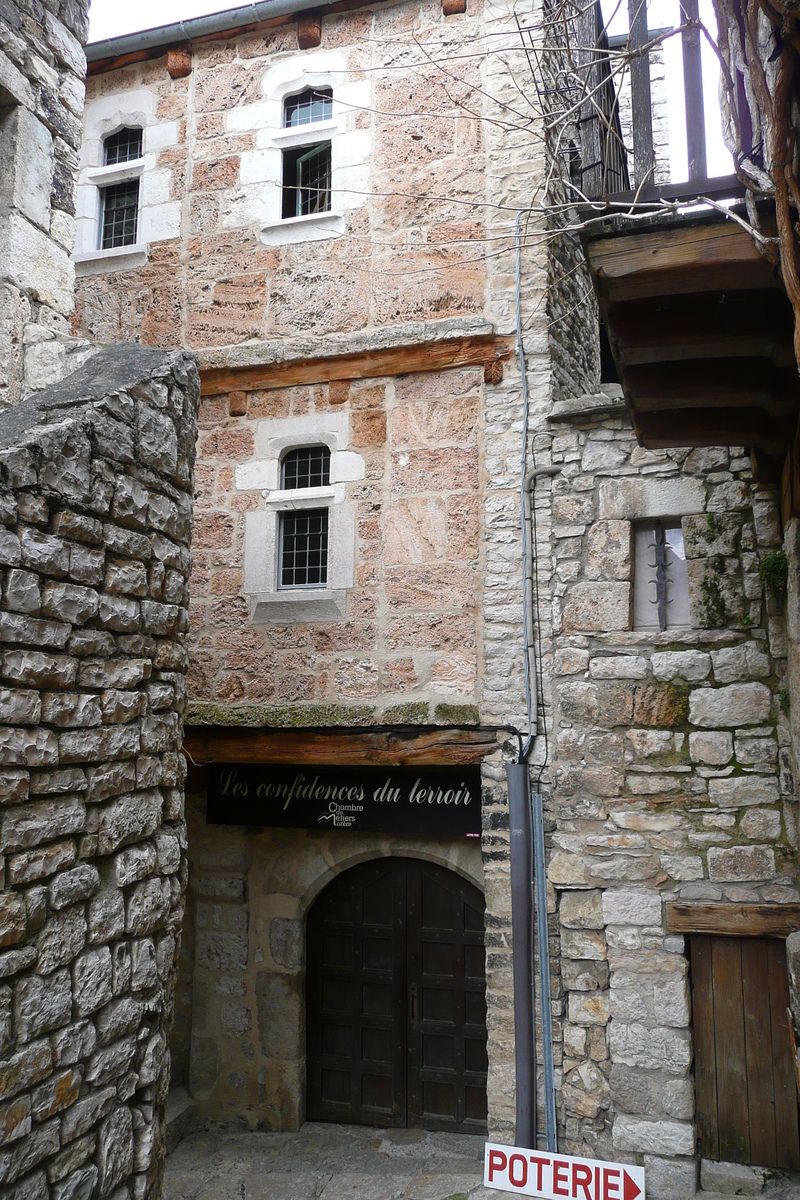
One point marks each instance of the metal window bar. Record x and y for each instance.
(314, 180)
(314, 104)
(124, 146)
(304, 548)
(120, 214)
(306, 468)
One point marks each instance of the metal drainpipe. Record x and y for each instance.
(519, 814)
(519, 802)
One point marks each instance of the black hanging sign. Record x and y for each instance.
(442, 801)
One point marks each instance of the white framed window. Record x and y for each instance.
(299, 554)
(660, 581)
(119, 201)
(306, 170)
(123, 198)
(303, 535)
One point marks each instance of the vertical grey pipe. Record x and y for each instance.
(544, 974)
(519, 813)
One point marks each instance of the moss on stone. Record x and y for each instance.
(458, 714)
(277, 716)
(410, 713)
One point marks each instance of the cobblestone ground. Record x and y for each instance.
(326, 1162)
(346, 1162)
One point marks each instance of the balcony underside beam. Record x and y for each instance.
(702, 335)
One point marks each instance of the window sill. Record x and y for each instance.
(119, 258)
(314, 227)
(298, 135)
(298, 605)
(116, 173)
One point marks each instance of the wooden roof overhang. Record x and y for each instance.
(701, 332)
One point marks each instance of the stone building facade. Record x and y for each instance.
(42, 70)
(383, 329)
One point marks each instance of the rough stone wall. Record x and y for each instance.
(95, 503)
(42, 68)
(251, 895)
(406, 650)
(402, 253)
(672, 776)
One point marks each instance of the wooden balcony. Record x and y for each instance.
(699, 324)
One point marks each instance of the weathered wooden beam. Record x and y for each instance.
(400, 360)
(402, 747)
(733, 920)
(707, 325)
(687, 259)
(714, 427)
(748, 383)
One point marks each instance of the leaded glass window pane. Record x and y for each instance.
(314, 104)
(120, 214)
(123, 146)
(304, 548)
(308, 467)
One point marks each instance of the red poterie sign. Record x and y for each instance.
(559, 1176)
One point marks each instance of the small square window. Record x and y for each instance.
(124, 146)
(314, 104)
(306, 180)
(660, 583)
(120, 204)
(305, 468)
(304, 549)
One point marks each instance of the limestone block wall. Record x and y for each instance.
(42, 68)
(405, 647)
(95, 505)
(672, 774)
(408, 185)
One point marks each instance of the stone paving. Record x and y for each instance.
(345, 1162)
(326, 1162)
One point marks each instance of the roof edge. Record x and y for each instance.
(255, 13)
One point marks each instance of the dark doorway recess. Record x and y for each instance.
(744, 1071)
(396, 999)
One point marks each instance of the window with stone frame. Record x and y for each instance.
(307, 169)
(303, 533)
(119, 201)
(660, 582)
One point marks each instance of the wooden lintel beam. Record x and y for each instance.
(400, 360)
(428, 747)
(733, 920)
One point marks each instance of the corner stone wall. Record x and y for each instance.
(95, 526)
(42, 70)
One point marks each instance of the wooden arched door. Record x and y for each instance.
(396, 999)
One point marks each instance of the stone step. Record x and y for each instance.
(182, 1118)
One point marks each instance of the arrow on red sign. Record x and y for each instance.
(630, 1188)
(553, 1176)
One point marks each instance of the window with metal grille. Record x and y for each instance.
(305, 468)
(314, 104)
(123, 146)
(304, 548)
(306, 180)
(120, 214)
(660, 582)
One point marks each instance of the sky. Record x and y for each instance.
(110, 18)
